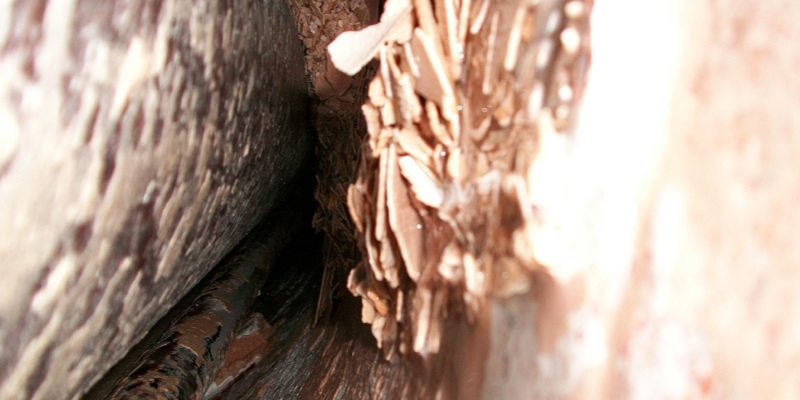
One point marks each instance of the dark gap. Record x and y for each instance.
(293, 280)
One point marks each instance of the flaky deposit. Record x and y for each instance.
(466, 96)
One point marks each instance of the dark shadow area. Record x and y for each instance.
(293, 276)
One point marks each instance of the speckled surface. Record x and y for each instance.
(140, 142)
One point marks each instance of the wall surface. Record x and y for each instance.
(672, 266)
(672, 222)
(139, 142)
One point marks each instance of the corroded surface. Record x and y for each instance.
(339, 127)
(185, 362)
(340, 360)
(448, 199)
(672, 257)
(140, 141)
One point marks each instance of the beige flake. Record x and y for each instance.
(351, 51)
(404, 220)
(433, 82)
(423, 183)
(428, 197)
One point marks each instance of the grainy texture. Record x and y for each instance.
(339, 128)
(340, 360)
(671, 225)
(669, 219)
(184, 363)
(140, 142)
(448, 195)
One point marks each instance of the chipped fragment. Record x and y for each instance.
(404, 220)
(423, 183)
(433, 82)
(351, 51)
(457, 212)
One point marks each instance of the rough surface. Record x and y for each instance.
(448, 199)
(339, 127)
(139, 142)
(340, 360)
(672, 260)
(184, 363)
(672, 232)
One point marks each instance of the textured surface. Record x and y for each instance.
(339, 127)
(139, 141)
(672, 225)
(447, 198)
(673, 262)
(184, 363)
(341, 360)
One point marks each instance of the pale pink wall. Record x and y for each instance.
(681, 214)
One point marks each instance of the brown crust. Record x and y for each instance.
(455, 117)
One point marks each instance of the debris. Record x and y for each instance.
(455, 115)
